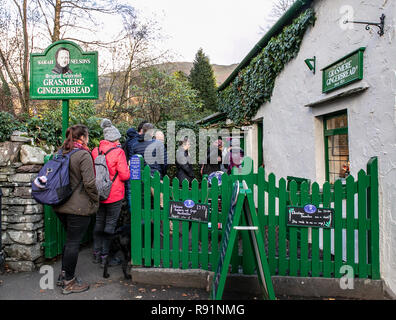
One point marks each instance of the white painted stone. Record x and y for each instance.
(23, 237)
(18, 136)
(22, 266)
(18, 201)
(21, 252)
(22, 177)
(26, 226)
(9, 152)
(35, 208)
(32, 155)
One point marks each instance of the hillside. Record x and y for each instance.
(221, 72)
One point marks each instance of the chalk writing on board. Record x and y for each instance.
(184, 210)
(310, 216)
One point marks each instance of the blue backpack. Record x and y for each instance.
(52, 185)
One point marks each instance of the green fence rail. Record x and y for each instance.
(292, 251)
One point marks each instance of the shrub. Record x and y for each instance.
(8, 124)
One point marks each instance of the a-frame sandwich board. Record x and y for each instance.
(242, 203)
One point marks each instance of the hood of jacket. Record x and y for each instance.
(132, 133)
(141, 138)
(105, 145)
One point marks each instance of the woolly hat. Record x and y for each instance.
(110, 132)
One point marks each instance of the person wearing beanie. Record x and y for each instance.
(109, 209)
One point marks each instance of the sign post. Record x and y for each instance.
(135, 184)
(63, 72)
(65, 117)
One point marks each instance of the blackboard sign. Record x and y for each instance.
(310, 216)
(188, 210)
(134, 166)
(226, 238)
(242, 203)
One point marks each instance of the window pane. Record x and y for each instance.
(338, 157)
(340, 121)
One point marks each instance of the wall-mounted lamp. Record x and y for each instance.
(311, 63)
(380, 25)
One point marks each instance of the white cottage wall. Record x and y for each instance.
(293, 133)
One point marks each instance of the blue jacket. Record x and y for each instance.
(156, 163)
(133, 136)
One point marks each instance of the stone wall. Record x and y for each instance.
(22, 216)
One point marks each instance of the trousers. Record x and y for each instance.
(105, 226)
(75, 226)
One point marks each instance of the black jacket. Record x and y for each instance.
(156, 163)
(132, 138)
(184, 166)
(208, 168)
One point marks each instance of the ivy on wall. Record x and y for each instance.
(254, 84)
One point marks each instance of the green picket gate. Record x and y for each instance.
(291, 251)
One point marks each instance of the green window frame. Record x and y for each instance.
(336, 145)
(260, 144)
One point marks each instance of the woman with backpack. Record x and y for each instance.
(109, 208)
(75, 213)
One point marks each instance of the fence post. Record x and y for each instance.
(136, 168)
(372, 197)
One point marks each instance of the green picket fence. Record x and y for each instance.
(292, 251)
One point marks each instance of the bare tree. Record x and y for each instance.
(77, 20)
(128, 56)
(15, 47)
(278, 9)
(27, 26)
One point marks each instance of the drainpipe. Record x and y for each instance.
(283, 21)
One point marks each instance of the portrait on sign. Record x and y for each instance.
(62, 61)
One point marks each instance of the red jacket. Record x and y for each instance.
(116, 162)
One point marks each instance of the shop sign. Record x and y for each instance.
(64, 71)
(344, 71)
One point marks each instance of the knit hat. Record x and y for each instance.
(110, 132)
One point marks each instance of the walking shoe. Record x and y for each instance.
(74, 285)
(96, 257)
(61, 278)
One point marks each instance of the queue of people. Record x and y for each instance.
(75, 214)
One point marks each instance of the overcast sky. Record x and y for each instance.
(225, 29)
